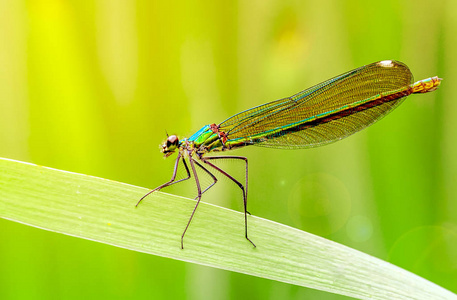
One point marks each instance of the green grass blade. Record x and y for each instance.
(104, 211)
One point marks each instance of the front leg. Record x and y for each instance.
(173, 177)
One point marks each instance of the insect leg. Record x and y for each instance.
(235, 157)
(173, 177)
(244, 190)
(210, 174)
(199, 196)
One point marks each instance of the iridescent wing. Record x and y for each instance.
(327, 112)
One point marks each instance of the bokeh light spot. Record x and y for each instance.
(319, 203)
(359, 228)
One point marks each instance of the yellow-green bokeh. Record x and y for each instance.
(91, 87)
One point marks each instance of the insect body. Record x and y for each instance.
(322, 114)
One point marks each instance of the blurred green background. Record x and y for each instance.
(91, 87)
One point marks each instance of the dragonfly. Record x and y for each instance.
(322, 114)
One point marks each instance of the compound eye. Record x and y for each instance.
(172, 142)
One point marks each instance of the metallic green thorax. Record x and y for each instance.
(206, 140)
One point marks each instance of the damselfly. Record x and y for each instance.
(322, 114)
